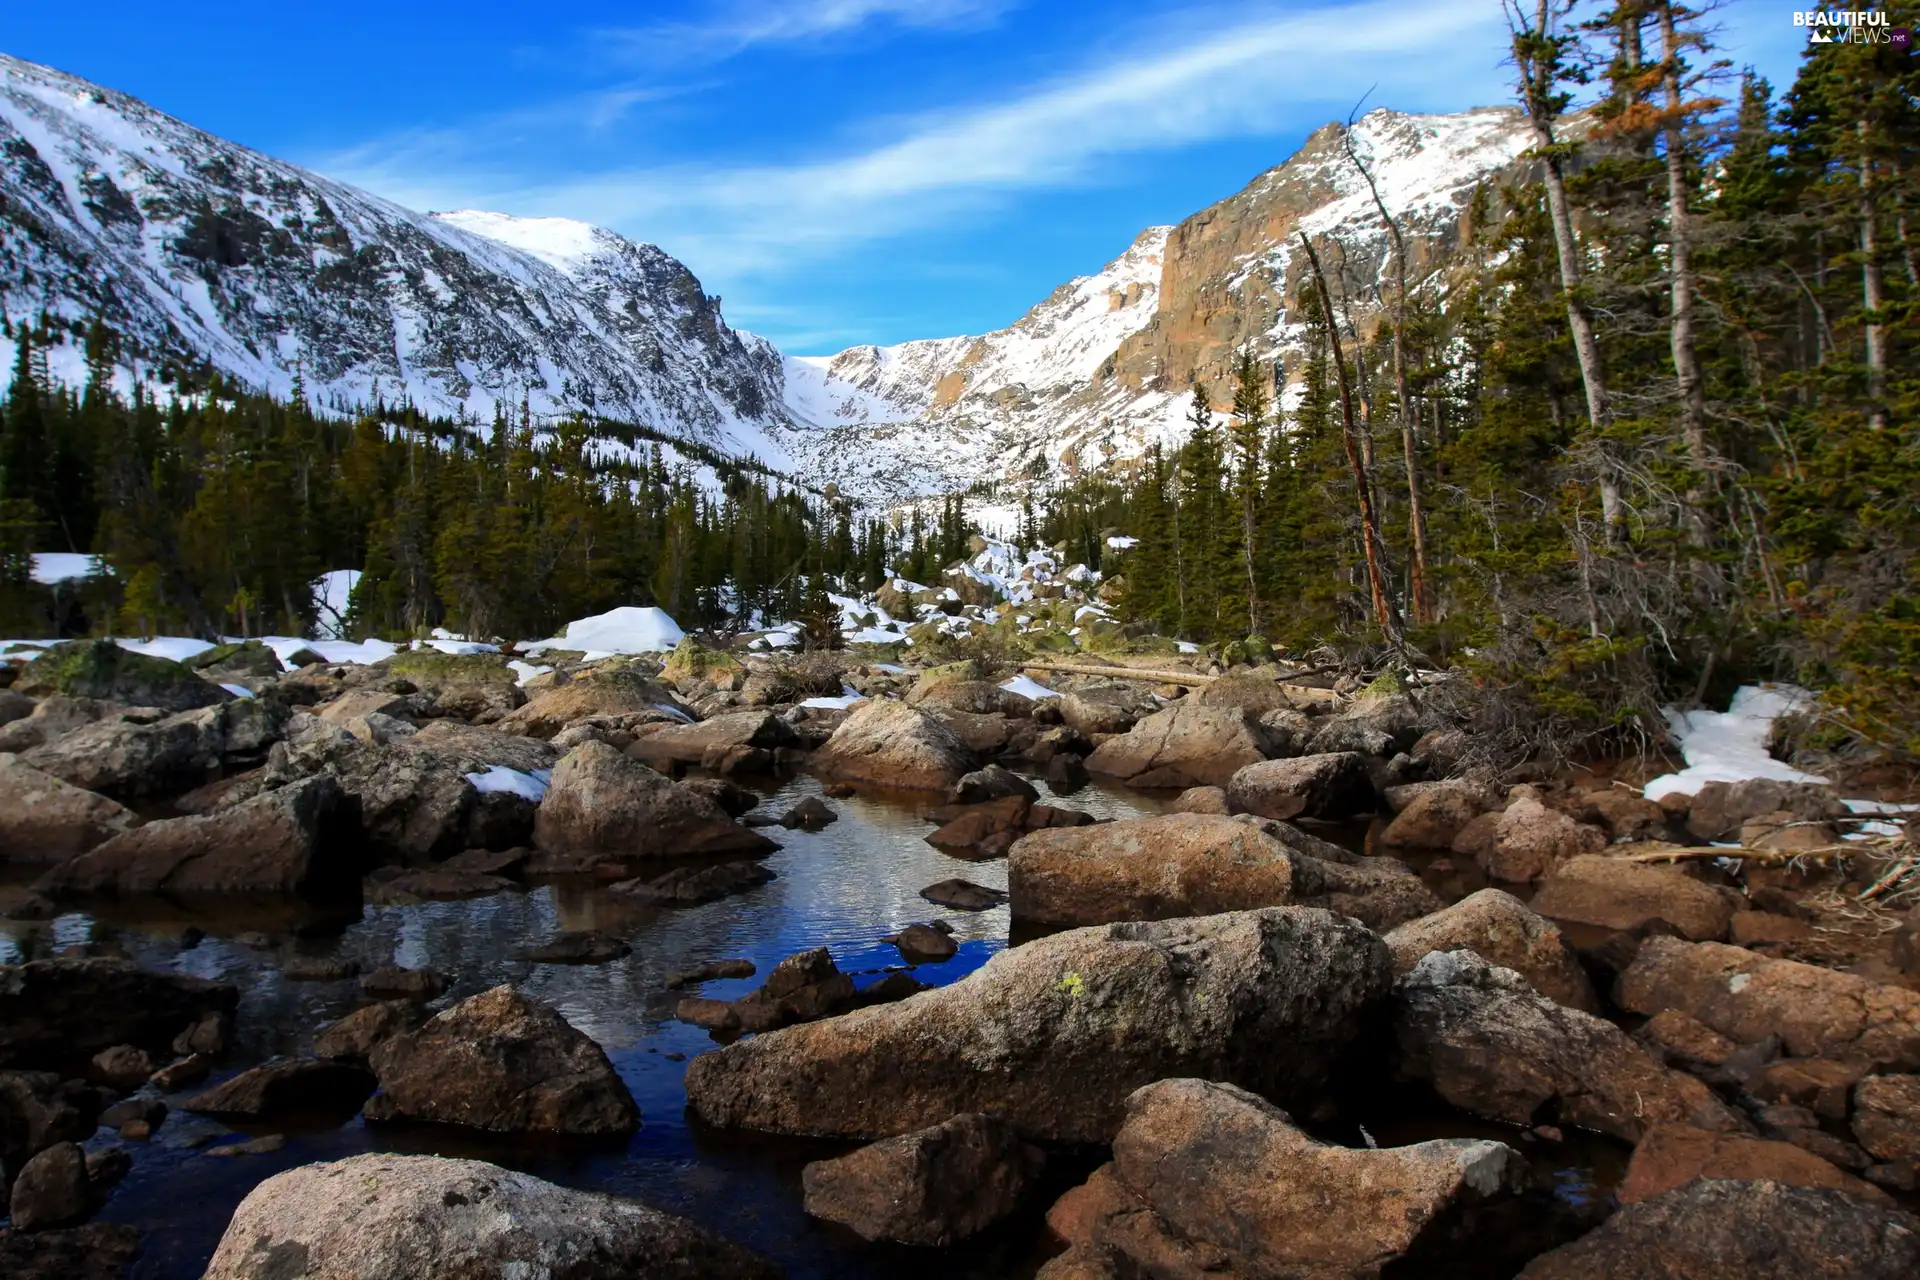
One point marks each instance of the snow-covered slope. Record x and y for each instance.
(1102, 368)
(196, 249)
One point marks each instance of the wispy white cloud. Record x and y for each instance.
(735, 25)
(1271, 74)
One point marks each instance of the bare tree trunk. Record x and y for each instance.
(1872, 291)
(1383, 611)
(1403, 403)
(1536, 94)
(1686, 362)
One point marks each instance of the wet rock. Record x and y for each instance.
(982, 831)
(1720, 809)
(1329, 786)
(889, 744)
(1053, 1035)
(504, 1062)
(391, 982)
(690, 886)
(1671, 1155)
(991, 783)
(57, 1013)
(1886, 1116)
(106, 1167)
(925, 944)
(1529, 840)
(1819, 1084)
(288, 1085)
(586, 947)
(710, 970)
(1501, 930)
(1816, 1012)
(355, 1036)
(1710, 1229)
(38, 1109)
(1435, 816)
(936, 1186)
(1153, 868)
(182, 1073)
(1617, 894)
(121, 1067)
(811, 814)
(205, 1034)
(1067, 773)
(51, 1189)
(150, 1112)
(265, 1145)
(45, 819)
(97, 1251)
(319, 969)
(392, 886)
(1492, 1045)
(1230, 1176)
(392, 1217)
(1186, 745)
(601, 802)
(802, 988)
(964, 895)
(295, 840)
(102, 669)
(1045, 744)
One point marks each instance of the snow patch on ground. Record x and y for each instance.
(848, 696)
(177, 648)
(1731, 745)
(526, 671)
(528, 786)
(1027, 687)
(628, 629)
(238, 690)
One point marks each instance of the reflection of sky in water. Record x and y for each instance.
(844, 888)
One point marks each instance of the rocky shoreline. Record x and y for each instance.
(1205, 1001)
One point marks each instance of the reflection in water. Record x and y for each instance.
(844, 887)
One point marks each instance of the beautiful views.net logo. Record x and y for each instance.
(1851, 26)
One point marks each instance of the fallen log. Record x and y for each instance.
(1191, 679)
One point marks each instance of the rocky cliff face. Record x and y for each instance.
(1101, 369)
(197, 250)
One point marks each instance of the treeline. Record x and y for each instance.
(215, 510)
(1649, 431)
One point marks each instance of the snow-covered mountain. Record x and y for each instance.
(1103, 366)
(197, 249)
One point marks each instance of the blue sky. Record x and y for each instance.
(839, 171)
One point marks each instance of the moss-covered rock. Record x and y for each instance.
(247, 658)
(429, 667)
(1258, 651)
(689, 663)
(102, 669)
(1384, 685)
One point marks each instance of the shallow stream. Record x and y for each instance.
(844, 887)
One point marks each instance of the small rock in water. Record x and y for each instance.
(964, 895)
(355, 1035)
(810, 814)
(254, 940)
(394, 982)
(207, 1034)
(262, 1146)
(190, 1070)
(586, 947)
(106, 1167)
(933, 1187)
(292, 1084)
(1067, 773)
(147, 1111)
(691, 886)
(51, 1190)
(319, 969)
(192, 936)
(925, 944)
(710, 970)
(122, 1067)
(838, 791)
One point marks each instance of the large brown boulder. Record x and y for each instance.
(286, 1085)
(889, 744)
(624, 693)
(1372, 726)
(1886, 1116)
(43, 819)
(56, 1014)
(1330, 786)
(504, 1062)
(1150, 869)
(1720, 809)
(1434, 816)
(1672, 1155)
(1713, 1229)
(1053, 1035)
(932, 1187)
(128, 758)
(1500, 929)
(1816, 1012)
(599, 801)
(1104, 709)
(970, 697)
(51, 1189)
(1614, 893)
(395, 1217)
(1381, 893)
(734, 731)
(1492, 1045)
(38, 1109)
(1529, 840)
(300, 839)
(1183, 746)
(1231, 1178)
